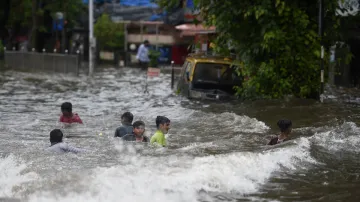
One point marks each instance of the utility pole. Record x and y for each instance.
(63, 31)
(91, 38)
(321, 34)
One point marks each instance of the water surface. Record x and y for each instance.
(216, 152)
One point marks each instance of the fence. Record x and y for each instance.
(48, 62)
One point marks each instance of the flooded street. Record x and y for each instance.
(216, 152)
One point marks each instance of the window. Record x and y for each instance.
(214, 73)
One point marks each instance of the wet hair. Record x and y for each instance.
(161, 120)
(284, 124)
(66, 106)
(128, 116)
(138, 123)
(56, 136)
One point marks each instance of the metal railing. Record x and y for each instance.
(47, 62)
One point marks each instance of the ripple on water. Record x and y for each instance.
(212, 155)
(182, 178)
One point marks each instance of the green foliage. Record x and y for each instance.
(71, 9)
(278, 43)
(1, 48)
(276, 40)
(22, 11)
(109, 34)
(167, 4)
(154, 57)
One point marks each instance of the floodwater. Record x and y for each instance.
(216, 152)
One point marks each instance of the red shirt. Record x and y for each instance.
(74, 119)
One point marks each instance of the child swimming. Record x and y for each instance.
(67, 115)
(57, 144)
(285, 130)
(163, 127)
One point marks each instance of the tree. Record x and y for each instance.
(110, 35)
(71, 10)
(276, 40)
(30, 14)
(4, 16)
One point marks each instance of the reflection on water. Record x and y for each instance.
(217, 152)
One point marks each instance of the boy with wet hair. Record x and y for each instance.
(285, 130)
(137, 134)
(57, 144)
(163, 127)
(67, 115)
(126, 128)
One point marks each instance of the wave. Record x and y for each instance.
(12, 176)
(181, 178)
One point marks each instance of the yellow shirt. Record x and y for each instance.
(159, 138)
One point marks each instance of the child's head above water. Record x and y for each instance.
(127, 117)
(56, 136)
(66, 109)
(139, 128)
(162, 123)
(285, 126)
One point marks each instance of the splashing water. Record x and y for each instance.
(11, 175)
(181, 178)
(212, 155)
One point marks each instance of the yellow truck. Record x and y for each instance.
(208, 77)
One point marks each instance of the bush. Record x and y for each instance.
(109, 35)
(154, 57)
(277, 41)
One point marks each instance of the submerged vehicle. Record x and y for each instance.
(208, 77)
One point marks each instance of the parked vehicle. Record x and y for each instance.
(208, 77)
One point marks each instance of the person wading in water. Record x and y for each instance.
(138, 133)
(68, 116)
(57, 144)
(285, 130)
(163, 127)
(126, 125)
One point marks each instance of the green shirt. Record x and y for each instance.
(159, 138)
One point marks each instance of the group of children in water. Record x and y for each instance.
(128, 131)
(134, 131)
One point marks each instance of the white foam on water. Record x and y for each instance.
(345, 137)
(245, 123)
(237, 123)
(165, 178)
(173, 113)
(179, 179)
(197, 145)
(11, 176)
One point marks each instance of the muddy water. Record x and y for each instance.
(217, 151)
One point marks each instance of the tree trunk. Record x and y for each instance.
(6, 10)
(33, 32)
(63, 32)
